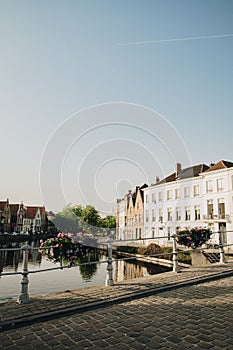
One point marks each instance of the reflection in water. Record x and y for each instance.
(10, 259)
(129, 269)
(73, 278)
(88, 271)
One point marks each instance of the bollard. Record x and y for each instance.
(109, 279)
(175, 255)
(24, 296)
(222, 253)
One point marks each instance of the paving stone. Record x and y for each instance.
(205, 345)
(173, 339)
(197, 317)
(101, 343)
(191, 339)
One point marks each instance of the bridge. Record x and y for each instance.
(190, 309)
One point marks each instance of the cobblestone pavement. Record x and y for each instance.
(191, 317)
(167, 311)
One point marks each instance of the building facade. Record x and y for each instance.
(198, 196)
(130, 215)
(21, 219)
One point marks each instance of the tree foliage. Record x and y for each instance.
(79, 218)
(66, 220)
(108, 222)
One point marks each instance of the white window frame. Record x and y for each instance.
(196, 190)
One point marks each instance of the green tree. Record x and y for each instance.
(108, 222)
(78, 210)
(66, 220)
(91, 216)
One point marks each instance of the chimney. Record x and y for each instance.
(157, 179)
(212, 164)
(178, 169)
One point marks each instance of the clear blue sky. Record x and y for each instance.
(59, 57)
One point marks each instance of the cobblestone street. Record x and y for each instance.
(198, 316)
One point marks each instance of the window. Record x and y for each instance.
(160, 215)
(147, 198)
(138, 205)
(169, 233)
(153, 215)
(196, 190)
(136, 218)
(219, 184)
(169, 194)
(178, 214)
(147, 215)
(140, 232)
(169, 214)
(186, 192)
(187, 213)
(209, 186)
(221, 208)
(210, 209)
(197, 212)
(153, 198)
(160, 196)
(177, 193)
(153, 232)
(139, 217)
(136, 233)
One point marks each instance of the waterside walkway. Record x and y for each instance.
(190, 309)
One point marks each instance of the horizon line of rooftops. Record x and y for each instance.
(180, 174)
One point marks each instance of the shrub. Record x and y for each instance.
(127, 249)
(153, 249)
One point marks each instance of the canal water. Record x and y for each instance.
(42, 283)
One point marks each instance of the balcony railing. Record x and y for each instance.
(216, 217)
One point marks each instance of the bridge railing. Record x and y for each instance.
(24, 294)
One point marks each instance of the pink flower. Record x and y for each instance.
(41, 241)
(60, 235)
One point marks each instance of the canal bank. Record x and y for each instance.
(46, 277)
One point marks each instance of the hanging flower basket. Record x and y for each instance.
(67, 247)
(193, 238)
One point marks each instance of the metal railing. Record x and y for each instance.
(24, 295)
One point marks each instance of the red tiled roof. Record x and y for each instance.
(2, 205)
(31, 212)
(14, 209)
(222, 164)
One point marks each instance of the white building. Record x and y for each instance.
(32, 221)
(198, 196)
(121, 218)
